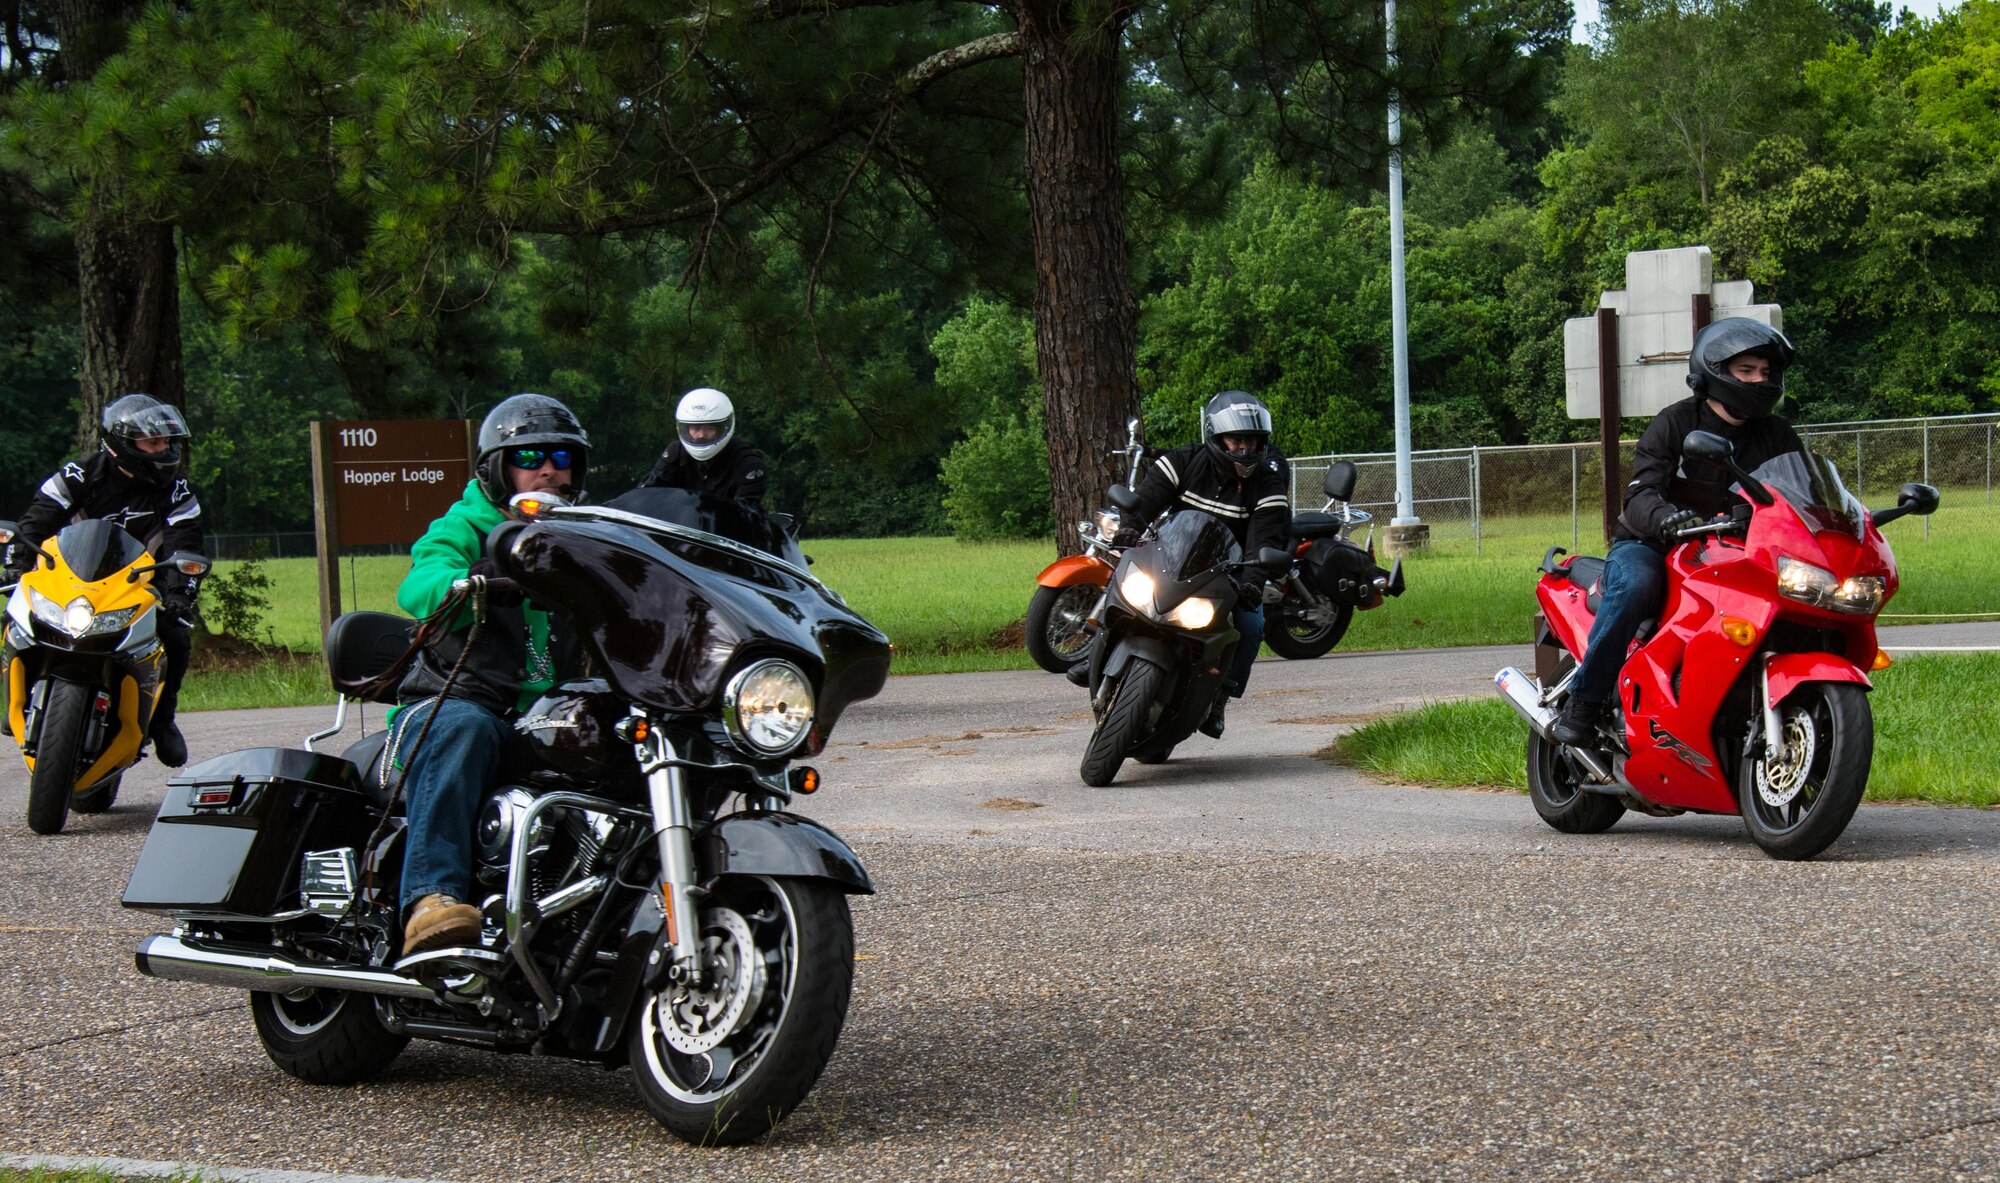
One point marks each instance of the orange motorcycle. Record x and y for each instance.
(1057, 631)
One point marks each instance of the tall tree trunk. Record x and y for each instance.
(129, 290)
(1085, 333)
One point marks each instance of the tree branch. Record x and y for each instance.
(32, 197)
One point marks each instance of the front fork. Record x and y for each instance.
(668, 795)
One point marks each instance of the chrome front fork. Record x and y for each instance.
(1774, 734)
(675, 834)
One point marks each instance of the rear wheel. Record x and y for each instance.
(1559, 795)
(1301, 640)
(1796, 803)
(99, 799)
(324, 1036)
(721, 1065)
(61, 726)
(1130, 717)
(1055, 630)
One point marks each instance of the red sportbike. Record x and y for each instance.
(1748, 694)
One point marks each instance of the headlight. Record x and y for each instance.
(112, 622)
(46, 610)
(768, 707)
(1813, 585)
(1108, 523)
(1195, 612)
(1137, 588)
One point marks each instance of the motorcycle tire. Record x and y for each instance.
(1298, 641)
(324, 1036)
(1054, 631)
(99, 799)
(1123, 725)
(1559, 799)
(1153, 754)
(1829, 732)
(63, 718)
(805, 936)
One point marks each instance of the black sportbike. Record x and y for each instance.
(651, 900)
(1167, 638)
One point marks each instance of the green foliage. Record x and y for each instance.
(996, 481)
(235, 601)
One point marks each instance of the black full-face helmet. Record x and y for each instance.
(529, 423)
(130, 418)
(1724, 340)
(1235, 413)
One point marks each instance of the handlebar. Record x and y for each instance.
(487, 582)
(1717, 526)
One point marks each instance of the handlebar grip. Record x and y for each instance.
(492, 582)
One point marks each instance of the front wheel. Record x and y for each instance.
(99, 799)
(324, 1036)
(1130, 717)
(56, 758)
(1301, 640)
(1559, 796)
(1056, 632)
(723, 1064)
(1796, 803)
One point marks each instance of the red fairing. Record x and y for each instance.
(1074, 569)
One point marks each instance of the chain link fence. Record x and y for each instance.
(1484, 494)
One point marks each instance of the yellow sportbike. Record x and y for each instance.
(83, 664)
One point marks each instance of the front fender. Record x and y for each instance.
(1786, 672)
(1075, 569)
(780, 844)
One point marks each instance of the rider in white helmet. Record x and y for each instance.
(706, 456)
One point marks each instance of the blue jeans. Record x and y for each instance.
(1635, 585)
(444, 784)
(1250, 623)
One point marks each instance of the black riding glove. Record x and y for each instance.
(1249, 595)
(1671, 526)
(498, 597)
(178, 607)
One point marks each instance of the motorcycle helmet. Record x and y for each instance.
(132, 417)
(706, 421)
(533, 422)
(1724, 340)
(1234, 412)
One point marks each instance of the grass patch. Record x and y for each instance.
(1937, 736)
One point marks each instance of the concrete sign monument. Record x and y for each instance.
(1630, 359)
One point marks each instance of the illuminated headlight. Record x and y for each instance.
(1108, 523)
(1195, 612)
(1813, 585)
(48, 611)
(111, 622)
(1137, 589)
(768, 707)
(1861, 593)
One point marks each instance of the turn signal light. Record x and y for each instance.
(1882, 660)
(804, 780)
(632, 729)
(1740, 631)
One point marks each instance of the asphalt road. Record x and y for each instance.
(1245, 963)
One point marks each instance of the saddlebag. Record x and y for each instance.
(1341, 571)
(230, 833)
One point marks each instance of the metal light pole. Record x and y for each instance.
(1407, 531)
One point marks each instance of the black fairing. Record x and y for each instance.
(669, 617)
(96, 549)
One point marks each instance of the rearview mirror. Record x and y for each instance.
(189, 563)
(1340, 479)
(1270, 562)
(1920, 498)
(1125, 499)
(1706, 445)
(7, 532)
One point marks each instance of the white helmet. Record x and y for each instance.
(706, 409)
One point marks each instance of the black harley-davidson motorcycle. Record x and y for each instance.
(1167, 638)
(652, 901)
(1308, 609)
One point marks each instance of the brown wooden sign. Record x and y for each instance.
(379, 481)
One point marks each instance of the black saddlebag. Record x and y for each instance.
(1341, 571)
(230, 833)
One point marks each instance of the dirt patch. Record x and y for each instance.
(221, 653)
(956, 752)
(928, 741)
(1338, 720)
(1009, 803)
(1013, 636)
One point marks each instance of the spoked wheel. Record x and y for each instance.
(1558, 793)
(1133, 711)
(324, 1036)
(1299, 639)
(56, 759)
(722, 1064)
(1797, 802)
(1055, 633)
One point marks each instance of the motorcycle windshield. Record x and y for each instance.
(712, 515)
(96, 549)
(1193, 542)
(1812, 486)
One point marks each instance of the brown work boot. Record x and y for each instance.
(440, 922)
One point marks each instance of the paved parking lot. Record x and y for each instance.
(1243, 964)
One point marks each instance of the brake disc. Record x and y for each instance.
(694, 1021)
(1780, 777)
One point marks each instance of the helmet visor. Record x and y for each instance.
(1238, 419)
(158, 420)
(706, 435)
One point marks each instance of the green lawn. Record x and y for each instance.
(950, 606)
(1937, 736)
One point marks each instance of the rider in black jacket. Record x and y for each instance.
(137, 481)
(706, 456)
(1237, 476)
(1737, 371)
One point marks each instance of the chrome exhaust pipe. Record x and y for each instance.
(163, 956)
(1521, 693)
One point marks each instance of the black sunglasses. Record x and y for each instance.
(533, 458)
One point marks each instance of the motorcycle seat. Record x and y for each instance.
(361, 646)
(369, 755)
(1313, 524)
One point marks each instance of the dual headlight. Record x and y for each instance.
(768, 707)
(1137, 588)
(1861, 594)
(77, 618)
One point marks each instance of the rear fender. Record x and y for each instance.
(1786, 672)
(1072, 570)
